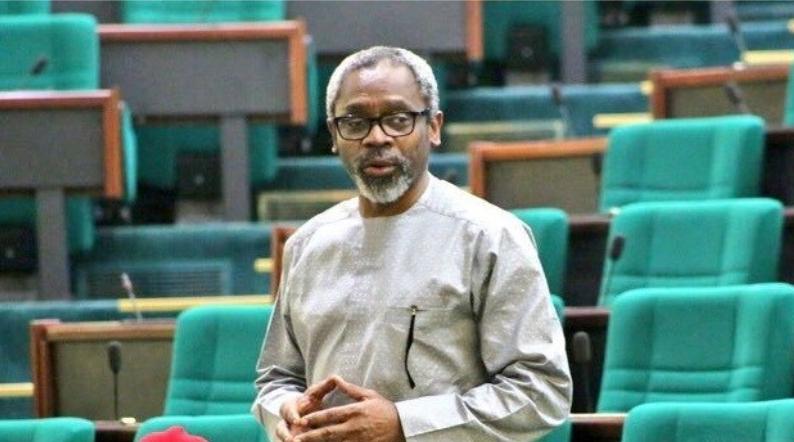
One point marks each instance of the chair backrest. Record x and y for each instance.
(683, 159)
(694, 244)
(62, 49)
(180, 11)
(214, 360)
(56, 429)
(788, 117)
(222, 428)
(24, 7)
(769, 421)
(550, 228)
(714, 344)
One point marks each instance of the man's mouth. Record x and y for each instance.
(379, 168)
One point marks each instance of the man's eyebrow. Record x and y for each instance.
(390, 105)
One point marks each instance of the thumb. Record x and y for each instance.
(354, 391)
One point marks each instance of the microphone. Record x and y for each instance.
(126, 283)
(615, 252)
(736, 34)
(582, 357)
(114, 360)
(734, 93)
(562, 109)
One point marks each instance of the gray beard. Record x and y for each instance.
(385, 190)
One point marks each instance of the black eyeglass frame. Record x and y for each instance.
(379, 119)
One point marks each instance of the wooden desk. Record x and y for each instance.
(681, 93)
(458, 34)
(228, 72)
(70, 370)
(88, 160)
(562, 174)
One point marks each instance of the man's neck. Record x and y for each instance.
(370, 209)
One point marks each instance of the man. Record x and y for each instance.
(415, 311)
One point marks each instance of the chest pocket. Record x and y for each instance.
(433, 338)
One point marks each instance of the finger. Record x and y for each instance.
(354, 391)
(319, 390)
(337, 432)
(313, 396)
(331, 416)
(289, 411)
(282, 432)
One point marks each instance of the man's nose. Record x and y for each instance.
(377, 137)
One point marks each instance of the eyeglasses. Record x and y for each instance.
(398, 124)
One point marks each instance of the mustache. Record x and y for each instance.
(376, 157)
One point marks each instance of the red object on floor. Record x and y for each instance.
(173, 434)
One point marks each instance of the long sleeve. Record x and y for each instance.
(281, 369)
(523, 351)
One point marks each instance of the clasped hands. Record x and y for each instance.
(371, 418)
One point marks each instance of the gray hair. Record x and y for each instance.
(370, 57)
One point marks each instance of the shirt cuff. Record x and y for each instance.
(267, 410)
(416, 418)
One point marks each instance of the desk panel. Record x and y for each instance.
(679, 93)
(200, 78)
(427, 27)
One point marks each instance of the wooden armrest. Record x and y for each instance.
(577, 318)
(597, 427)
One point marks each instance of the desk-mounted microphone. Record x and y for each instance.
(126, 283)
(562, 108)
(582, 358)
(615, 252)
(114, 361)
(734, 93)
(736, 33)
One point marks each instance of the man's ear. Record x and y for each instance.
(434, 125)
(332, 130)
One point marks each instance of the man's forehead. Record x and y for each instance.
(394, 83)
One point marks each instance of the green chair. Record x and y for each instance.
(223, 428)
(688, 244)
(768, 421)
(709, 344)
(181, 11)
(57, 429)
(550, 228)
(788, 118)
(500, 17)
(59, 52)
(683, 159)
(214, 360)
(24, 7)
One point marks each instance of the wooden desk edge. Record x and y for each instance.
(115, 431)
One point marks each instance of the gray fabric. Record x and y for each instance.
(488, 354)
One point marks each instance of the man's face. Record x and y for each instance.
(384, 167)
